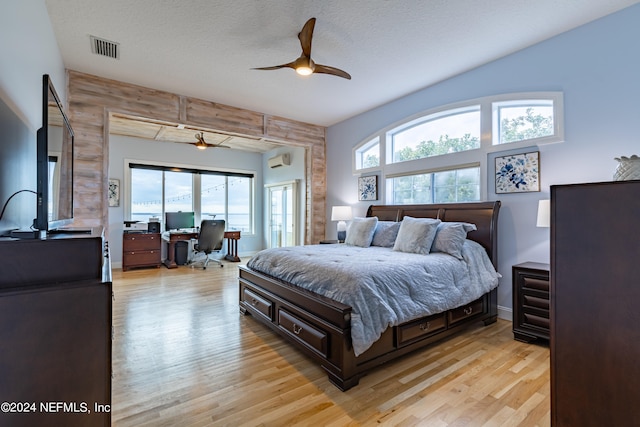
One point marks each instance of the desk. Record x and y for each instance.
(171, 238)
(232, 245)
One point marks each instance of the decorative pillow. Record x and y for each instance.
(385, 234)
(360, 231)
(416, 235)
(450, 237)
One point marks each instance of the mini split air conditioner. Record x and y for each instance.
(280, 160)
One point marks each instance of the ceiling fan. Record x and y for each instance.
(201, 144)
(304, 65)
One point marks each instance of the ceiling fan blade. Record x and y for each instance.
(306, 35)
(276, 67)
(325, 69)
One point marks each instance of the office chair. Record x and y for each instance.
(210, 240)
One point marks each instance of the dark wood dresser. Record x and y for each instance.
(531, 301)
(141, 249)
(595, 292)
(55, 330)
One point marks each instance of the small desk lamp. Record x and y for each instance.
(544, 213)
(341, 214)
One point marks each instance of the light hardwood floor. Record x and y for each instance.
(183, 355)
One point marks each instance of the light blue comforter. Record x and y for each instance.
(384, 287)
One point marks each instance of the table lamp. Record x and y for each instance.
(341, 214)
(544, 213)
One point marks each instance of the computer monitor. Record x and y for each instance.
(178, 220)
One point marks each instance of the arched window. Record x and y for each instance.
(440, 155)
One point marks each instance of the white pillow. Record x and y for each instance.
(416, 235)
(450, 237)
(360, 231)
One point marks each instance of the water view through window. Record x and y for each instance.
(154, 192)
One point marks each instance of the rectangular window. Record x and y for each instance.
(450, 186)
(239, 205)
(459, 185)
(178, 192)
(214, 194)
(146, 194)
(410, 189)
(159, 189)
(522, 120)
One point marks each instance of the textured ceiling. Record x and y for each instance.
(206, 49)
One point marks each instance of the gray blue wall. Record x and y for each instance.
(596, 66)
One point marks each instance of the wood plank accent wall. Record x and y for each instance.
(92, 99)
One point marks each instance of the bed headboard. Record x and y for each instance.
(483, 214)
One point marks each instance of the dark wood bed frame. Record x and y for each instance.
(320, 326)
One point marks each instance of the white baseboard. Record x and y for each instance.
(505, 313)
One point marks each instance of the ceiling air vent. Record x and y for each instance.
(105, 47)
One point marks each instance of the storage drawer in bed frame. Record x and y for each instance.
(262, 305)
(303, 332)
(418, 329)
(467, 311)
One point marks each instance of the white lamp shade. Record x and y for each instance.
(544, 213)
(341, 213)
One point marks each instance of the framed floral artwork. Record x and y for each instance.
(368, 188)
(114, 192)
(518, 173)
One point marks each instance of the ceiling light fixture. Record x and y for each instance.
(201, 144)
(304, 66)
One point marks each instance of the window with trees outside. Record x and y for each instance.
(441, 155)
(457, 185)
(446, 132)
(368, 155)
(155, 190)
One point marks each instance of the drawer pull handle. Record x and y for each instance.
(425, 326)
(468, 310)
(297, 329)
(254, 302)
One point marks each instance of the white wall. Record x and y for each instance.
(596, 66)
(27, 51)
(123, 148)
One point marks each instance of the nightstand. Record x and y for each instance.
(531, 301)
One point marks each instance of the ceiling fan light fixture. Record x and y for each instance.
(304, 71)
(201, 144)
(304, 66)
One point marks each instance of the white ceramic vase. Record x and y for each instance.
(628, 168)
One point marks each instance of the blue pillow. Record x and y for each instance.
(385, 234)
(416, 235)
(360, 231)
(450, 237)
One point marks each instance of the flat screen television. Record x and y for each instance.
(54, 154)
(178, 220)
